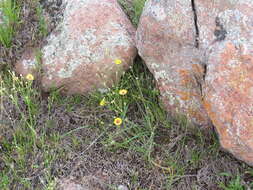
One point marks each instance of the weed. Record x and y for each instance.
(25, 139)
(9, 14)
(133, 90)
(43, 29)
(234, 184)
(134, 10)
(38, 59)
(137, 6)
(4, 181)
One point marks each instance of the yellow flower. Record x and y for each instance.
(117, 61)
(117, 121)
(29, 77)
(123, 92)
(102, 102)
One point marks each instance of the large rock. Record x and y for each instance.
(229, 97)
(226, 32)
(80, 53)
(166, 40)
(207, 63)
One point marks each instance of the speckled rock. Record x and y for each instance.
(226, 32)
(229, 97)
(224, 20)
(205, 66)
(80, 53)
(166, 41)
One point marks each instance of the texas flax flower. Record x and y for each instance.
(117, 121)
(123, 92)
(117, 61)
(29, 77)
(102, 102)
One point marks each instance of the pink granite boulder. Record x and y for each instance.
(80, 54)
(229, 97)
(166, 40)
(226, 34)
(201, 55)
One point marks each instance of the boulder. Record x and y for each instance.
(226, 33)
(80, 54)
(166, 40)
(202, 59)
(229, 97)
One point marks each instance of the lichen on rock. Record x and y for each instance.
(211, 78)
(79, 53)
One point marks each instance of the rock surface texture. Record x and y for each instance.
(201, 55)
(80, 54)
(227, 37)
(166, 41)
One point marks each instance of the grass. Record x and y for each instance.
(234, 184)
(10, 17)
(43, 30)
(25, 140)
(146, 131)
(47, 137)
(133, 9)
(141, 94)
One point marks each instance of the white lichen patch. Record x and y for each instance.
(158, 12)
(161, 74)
(62, 48)
(237, 2)
(103, 90)
(120, 38)
(29, 64)
(113, 41)
(154, 65)
(235, 23)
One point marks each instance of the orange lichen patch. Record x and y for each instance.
(228, 98)
(185, 76)
(238, 71)
(188, 103)
(187, 95)
(197, 69)
(210, 113)
(184, 72)
(196, 114)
